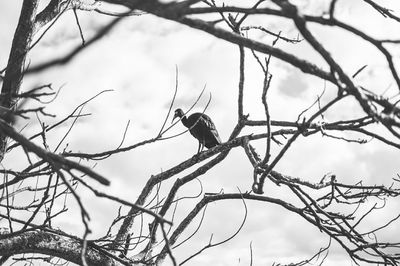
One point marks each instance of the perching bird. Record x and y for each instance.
(201, 127)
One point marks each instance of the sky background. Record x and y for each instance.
(137, 61)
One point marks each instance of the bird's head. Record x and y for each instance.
(178, 113)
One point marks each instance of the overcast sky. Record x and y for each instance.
(137, 61)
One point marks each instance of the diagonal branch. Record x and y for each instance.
(56, 161)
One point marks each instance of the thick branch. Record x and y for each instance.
(171, 12)
(52, 244)
(48, 13)
(16, 63)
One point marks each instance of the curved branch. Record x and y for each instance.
(54, 245)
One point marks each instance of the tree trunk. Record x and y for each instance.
(15, 66)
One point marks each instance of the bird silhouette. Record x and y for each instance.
(201, 127)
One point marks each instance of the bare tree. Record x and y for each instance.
(36, 193)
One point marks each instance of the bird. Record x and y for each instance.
(201, 127)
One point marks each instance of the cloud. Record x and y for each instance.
(293, 85)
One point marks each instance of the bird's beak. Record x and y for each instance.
(173, 119)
